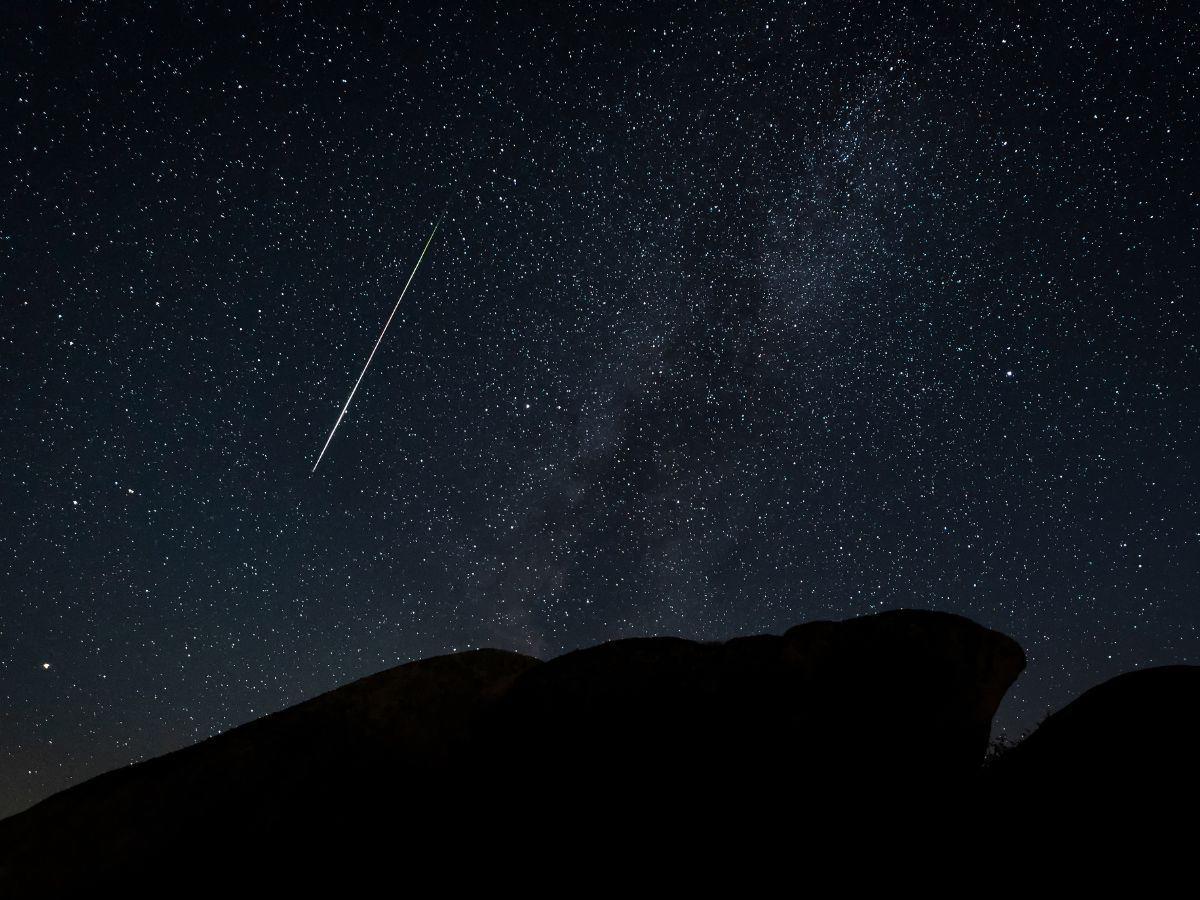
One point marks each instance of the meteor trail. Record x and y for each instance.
(411, 275)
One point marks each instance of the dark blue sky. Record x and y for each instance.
(741, 315)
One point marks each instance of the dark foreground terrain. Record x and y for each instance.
(442, 757)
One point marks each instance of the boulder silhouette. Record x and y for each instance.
(442, 755)
(283, 784)
(828, 697)
(1131, 736)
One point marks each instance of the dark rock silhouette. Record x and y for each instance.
(826, 697)
(1120, 741)
(898, 700)
(275, 781)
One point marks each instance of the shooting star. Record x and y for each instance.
(354, 389)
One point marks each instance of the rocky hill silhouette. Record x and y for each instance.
(1125, 740)
(463, 750)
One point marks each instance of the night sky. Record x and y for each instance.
(740, 315)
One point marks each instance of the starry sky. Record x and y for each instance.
(741, 314)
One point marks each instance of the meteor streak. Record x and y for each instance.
(411, 275)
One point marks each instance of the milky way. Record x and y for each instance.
(740, 315)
